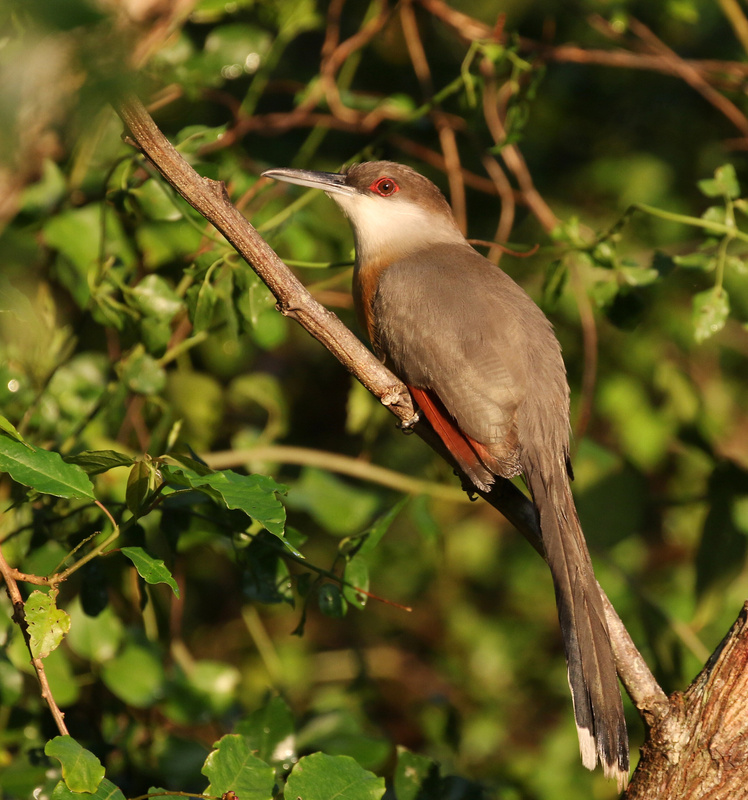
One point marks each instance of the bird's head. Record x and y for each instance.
(393, 210)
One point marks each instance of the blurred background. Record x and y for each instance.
(606, 139)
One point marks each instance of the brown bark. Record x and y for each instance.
(697, 743)
(699, 747)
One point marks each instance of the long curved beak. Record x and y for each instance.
(329, 182)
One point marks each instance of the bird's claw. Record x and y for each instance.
(467, 486)
(406, 425)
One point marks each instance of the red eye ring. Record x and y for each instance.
(384, 186)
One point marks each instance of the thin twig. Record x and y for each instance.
(19, 617)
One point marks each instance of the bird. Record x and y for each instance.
(484, 366)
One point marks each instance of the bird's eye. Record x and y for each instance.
(384, 187)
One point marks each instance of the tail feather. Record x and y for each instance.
(598, 709)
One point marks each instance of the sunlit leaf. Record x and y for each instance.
(356, 576)
(725, 183)
(321, 777)
(43, 470)
(6, 426)
(47, 624)
(81, 770)
(151, 570)
(106, 790)
(253, 494)
(710, 312)
(232, 767)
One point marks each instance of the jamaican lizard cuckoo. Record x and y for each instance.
(484, 366)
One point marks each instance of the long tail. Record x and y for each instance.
(598, 709)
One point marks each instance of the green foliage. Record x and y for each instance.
(106, 790)
(232, 767)
(43, 470)
(151, 570)
(47, 624)
(319, 777)
(81, 770)
(168, 496)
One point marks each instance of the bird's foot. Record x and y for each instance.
(467, 486)
(406, 425)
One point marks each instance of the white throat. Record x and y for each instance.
(390, 228)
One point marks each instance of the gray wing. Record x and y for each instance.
(450, 321)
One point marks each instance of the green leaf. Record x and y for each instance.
(193, 137)
(204, 305)
(416, 776)
(724, 184)
(255, 495)
(636, 276)
(136, 676)
(270, 732)
(710, 311)
(81, 770)
(331, 601)
(323, 777)
(105, 791)
(698, 260)
(94, 462)
(232, 767)
(356, 576)
(155, 333)
(77, 235)
(139, 485)
(381, 525)
(43, 470)
(6, 426)
(153, 297)
(151, 570)
(156, 203)
(556, 278)
(142, 373)
(716, 214)
(253, 297)
(47, 624)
